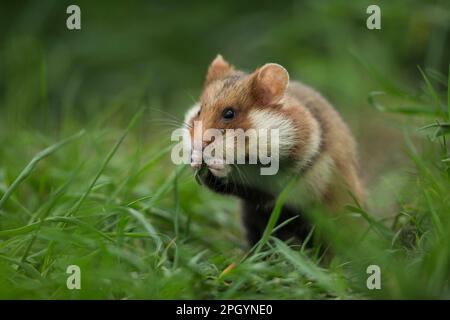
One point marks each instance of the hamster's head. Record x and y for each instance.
(235, 105)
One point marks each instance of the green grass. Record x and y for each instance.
(85, 170)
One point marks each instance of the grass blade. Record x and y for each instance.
(448, 93)
(148, 227)
(33, 163)
(431, 91)
(80, 201)
(309, 269)
(275, 214)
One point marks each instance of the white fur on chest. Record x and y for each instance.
(309, 189)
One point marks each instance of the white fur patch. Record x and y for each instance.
(312, 146)
(262, 119)
(190, 114)
(319, 176)
(314, 184)
(188, 122)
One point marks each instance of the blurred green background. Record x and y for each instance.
(154, 54)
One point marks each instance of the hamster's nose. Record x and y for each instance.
(196, 159)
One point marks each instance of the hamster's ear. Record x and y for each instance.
(218, 69)
(270, 83)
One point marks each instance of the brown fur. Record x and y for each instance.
(337, 142)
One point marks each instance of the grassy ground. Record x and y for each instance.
(85, 171)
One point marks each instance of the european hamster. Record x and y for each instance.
(314, 145)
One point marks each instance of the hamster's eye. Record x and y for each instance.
(228, 113)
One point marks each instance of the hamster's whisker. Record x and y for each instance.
(172, 117)
(167, 122)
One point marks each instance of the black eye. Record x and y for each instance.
(228, 114)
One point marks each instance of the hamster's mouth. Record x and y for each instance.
(218, 169)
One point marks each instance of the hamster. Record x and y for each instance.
(315, 146)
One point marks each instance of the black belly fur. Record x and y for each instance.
(257, 207)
